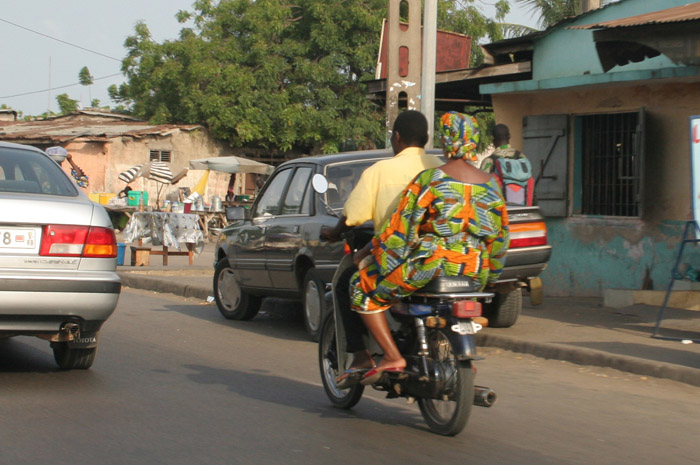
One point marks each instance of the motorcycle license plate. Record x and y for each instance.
(466, 327)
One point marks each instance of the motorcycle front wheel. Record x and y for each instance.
(449, 415)
(328, 363)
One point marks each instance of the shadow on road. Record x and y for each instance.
(267, 387)
(278, 318)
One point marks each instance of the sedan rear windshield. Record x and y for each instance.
(342, 178)
(29, 172)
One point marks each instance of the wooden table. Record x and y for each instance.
(167, 230)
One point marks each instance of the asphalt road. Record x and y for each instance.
(175, 383)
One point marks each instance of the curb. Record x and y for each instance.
(576, 355)
(584, 356)
(148, 283)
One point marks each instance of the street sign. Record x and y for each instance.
(695, 167)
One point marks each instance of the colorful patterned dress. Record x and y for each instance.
(442, 227)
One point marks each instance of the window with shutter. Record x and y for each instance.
(545, 143)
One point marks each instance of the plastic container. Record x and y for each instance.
(104, 198)
(135, 196)
(188, 207)
(94, 196)
(121, 250)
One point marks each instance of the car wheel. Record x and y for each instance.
(233, 303)
(314, 304)
(72, 359)
(504, 309)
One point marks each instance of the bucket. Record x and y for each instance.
(216, 205)
(188, 207)
(121, 249)
(135, 196)
(104, 198)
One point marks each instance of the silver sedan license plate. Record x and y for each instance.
(19, 240)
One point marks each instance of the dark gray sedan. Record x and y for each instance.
(275, 251)
(58, 251)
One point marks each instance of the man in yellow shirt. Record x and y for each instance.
(375, 197)
(377, 193)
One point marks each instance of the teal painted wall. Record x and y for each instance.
(593, 254)
(566, 52)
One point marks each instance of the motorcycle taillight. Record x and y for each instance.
(466, 309)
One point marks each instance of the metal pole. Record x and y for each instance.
(428, 69)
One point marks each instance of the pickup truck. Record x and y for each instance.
(273, 248)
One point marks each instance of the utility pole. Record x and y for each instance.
(428, 69)
(403, 40)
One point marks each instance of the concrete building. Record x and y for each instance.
(105, 144)
(604, 118)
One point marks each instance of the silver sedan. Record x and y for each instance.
(58, 251)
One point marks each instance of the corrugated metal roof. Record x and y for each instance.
(689, 12)
(86, 126)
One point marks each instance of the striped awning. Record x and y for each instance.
(155, 170)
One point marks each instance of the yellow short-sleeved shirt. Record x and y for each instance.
(376, 195)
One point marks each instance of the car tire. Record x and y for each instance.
(232, 301)
(314, 304)
(73, 359)
(503, 311)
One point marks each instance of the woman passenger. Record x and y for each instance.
(451, 221)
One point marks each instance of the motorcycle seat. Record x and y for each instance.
(449, 285)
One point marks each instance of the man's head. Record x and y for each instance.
(501, 135)
(410, 130)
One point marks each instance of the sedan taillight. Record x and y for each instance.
(527, 234)
(78, 241)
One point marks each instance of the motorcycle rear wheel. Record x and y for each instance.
(328, 363)
(449, 416)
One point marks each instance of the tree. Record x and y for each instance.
(273, 75)
(66, 104)
(86, 79)
(553, 11)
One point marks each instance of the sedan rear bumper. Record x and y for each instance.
(41, 302)
(525, 262)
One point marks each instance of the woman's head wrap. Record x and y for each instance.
(459, 134)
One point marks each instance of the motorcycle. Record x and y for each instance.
(434, 331)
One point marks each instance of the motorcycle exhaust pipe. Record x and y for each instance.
(484, 396)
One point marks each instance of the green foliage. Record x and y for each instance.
(263, 73)
(84, 77)
(553, 11)
(284, 76)
(66, 104)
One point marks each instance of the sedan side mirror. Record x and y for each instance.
(319, 183)
(236, 213)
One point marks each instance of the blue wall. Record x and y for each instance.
(593, 254)
(569, 52)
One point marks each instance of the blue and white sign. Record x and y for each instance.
(695, 166)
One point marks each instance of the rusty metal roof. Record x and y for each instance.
(85, 126)
(689, 12)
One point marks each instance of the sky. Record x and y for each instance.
(37, 68)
